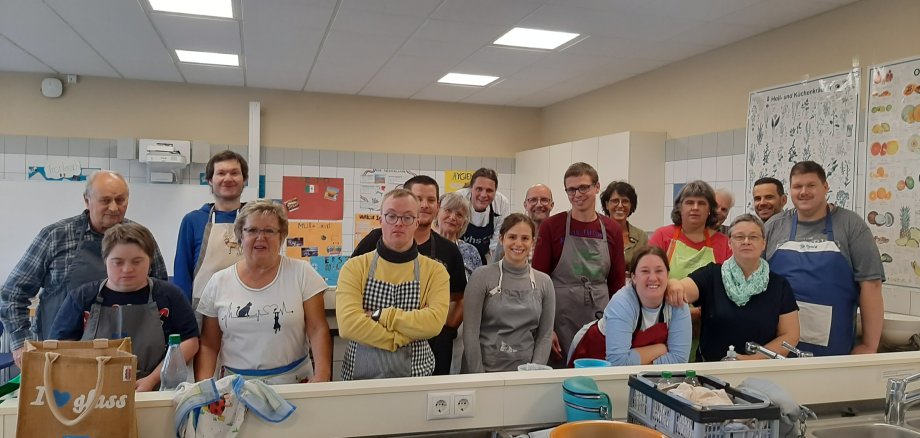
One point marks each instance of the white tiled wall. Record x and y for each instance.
(17, 153)
(716, 158)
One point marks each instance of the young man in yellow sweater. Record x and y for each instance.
(390, 301)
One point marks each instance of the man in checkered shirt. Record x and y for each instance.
(390, 301)
(64, 255)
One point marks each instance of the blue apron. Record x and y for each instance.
(825, 289)
(481, 237)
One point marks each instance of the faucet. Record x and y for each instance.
(796, 351)
(898, 400)
(753, 347)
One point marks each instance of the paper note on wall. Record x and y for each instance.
(375, 183)
(308, 198)
(328, 267)
(456, 179)
(364, 223)
(308, 239)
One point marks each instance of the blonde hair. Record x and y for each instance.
(261, 207)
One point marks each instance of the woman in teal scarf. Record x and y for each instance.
(741, 299)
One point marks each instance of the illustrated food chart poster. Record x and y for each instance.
(456, 179)
(892, 166)
(812, 120)
(374, 183)
(364, 223)
(309, 239)
(309, 198)
(328, 267)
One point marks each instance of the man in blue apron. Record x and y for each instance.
(390, 301)
(490, 208)
(432, 245)
(582, 252)
(206, 242)
(832, 262)
(63, 256)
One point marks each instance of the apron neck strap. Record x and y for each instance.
(828, 225)
(639, 319)
(501, 274)
(373, 268)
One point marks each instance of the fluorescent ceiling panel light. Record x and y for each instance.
(535, 38)
(230, 59)
(465, 79)
(210, 8)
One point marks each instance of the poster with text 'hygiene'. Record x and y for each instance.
(811, 120)
(456, 179)
(892, 201)
(308, 198)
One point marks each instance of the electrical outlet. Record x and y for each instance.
(439, 405)
(464, 404)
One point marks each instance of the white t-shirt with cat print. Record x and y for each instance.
(262, 328)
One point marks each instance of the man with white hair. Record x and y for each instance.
(538, 205)
(725, 200)
(63, 256)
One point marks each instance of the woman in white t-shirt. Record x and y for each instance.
(264, 315)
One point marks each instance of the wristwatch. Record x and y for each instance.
(375, 315)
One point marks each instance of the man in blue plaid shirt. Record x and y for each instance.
(63, 256)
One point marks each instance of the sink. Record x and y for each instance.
(896, 328)
(873, 430)
(915, 423)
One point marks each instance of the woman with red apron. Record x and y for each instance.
(641, 328)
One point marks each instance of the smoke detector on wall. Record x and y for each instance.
(52, 87)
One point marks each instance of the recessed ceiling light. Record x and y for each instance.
(535, 38)
(210, 8)
(465, 79)
(230, 59)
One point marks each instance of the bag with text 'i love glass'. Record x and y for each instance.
(77, 388)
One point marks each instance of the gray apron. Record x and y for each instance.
(140, 322)
(85, 266)
(514, 316)
(367, 362)
(580, 279)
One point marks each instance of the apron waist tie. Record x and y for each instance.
(267, 372)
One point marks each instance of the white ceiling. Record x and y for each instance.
(388, 48)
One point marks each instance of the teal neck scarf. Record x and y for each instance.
(740, 289)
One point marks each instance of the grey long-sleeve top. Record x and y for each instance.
(502, 330)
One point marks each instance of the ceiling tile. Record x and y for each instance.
(212, 75)
(405, 75)
(370, 23)
(456, 50)
(453, 31)
(35, 28)
(445, 93)
(411, 8)
(198, 33)
(709, 10)
(122, 33)
(719, 34)
(608, 23)
(12, 58)
(502, 13)
(776, 13)
(281, 58)
(499, 61)
(349, 60)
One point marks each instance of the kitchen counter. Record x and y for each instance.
(515, 399)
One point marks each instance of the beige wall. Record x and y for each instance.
(709, 92)
(112, 108)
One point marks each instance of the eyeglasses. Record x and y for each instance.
(580, 189)
(545, 201)
(753, 238)
(391, 219)
(253, 232)
(616, 201)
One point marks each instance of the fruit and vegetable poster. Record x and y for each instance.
(309, 239)
(308, 198)
(811, 120)
(893, 168)
(374, 183)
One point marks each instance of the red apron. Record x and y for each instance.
(656, 334)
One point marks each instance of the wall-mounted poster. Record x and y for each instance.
(456, 179)
(364, 223)
(308, 198)
(892, 203)
(811, 120)
(309, 239)
(328, 267)
(374, 183)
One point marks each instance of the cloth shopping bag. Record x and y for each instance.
(77, 388)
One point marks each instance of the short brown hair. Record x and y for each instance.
(803, 167)
(128, 233)
(483, 172)
(514, 219)
(700, 189)
(227, 155)
(397, 193)
(579, 169)
(261, 207)
(649, 250)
